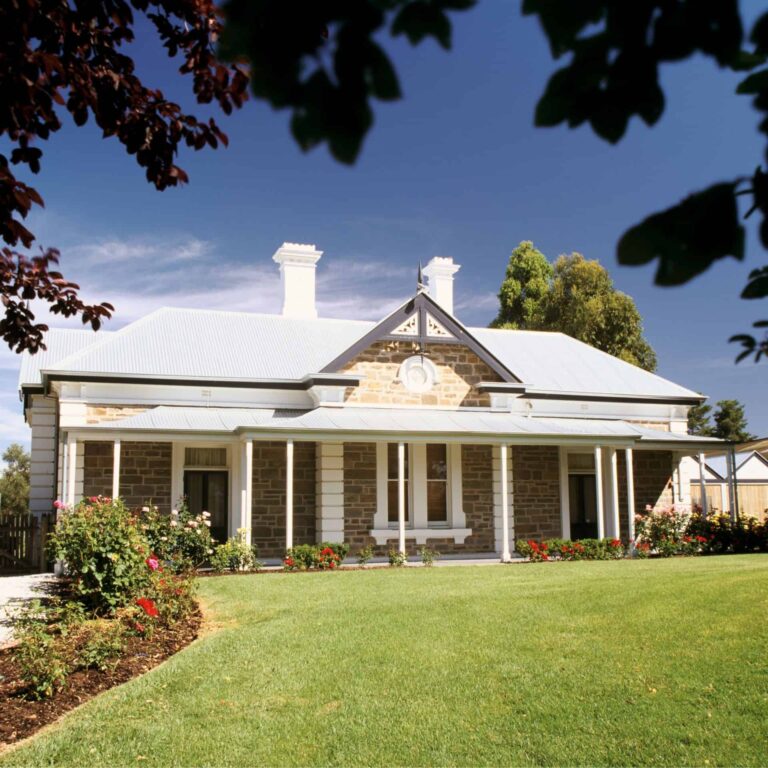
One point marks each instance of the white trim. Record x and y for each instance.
(288, 494)
(505, 553)
(421, 535)
(599, 492)
(629, 461)
(418, 485)
(456, 516)
(71, 469)
(116, 469)
(401, 496)
(565, 502)
(613, 485)
(703, 486)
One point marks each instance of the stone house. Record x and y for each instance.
(412, 430)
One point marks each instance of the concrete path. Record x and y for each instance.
(14, 590)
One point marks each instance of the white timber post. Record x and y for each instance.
(329, 491)
(731, 464)
(614, 486)
(71, 470)
(401, 496)
(116, 469)
(246, 494)
(505, 554)
(703, 486)
(565, 501)
(599, 492)
(289, 494)
(629, 461)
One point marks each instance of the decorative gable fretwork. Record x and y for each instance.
(436, 330)
(409, 328)
(421, 321)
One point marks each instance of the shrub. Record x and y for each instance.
(397, 559)
(364, 555)
(235, 555)
(181, 540)
(536, 552)
(428, 556)
(327, 555)
(100, 646)
(104, 551)
(663, 530)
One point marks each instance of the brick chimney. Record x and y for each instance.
(298, 263)
(439, 273)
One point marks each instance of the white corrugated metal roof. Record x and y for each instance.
(60, 342)
(381, 421)
(230, 345)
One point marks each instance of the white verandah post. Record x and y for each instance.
(71, 470)
(703, 487)
(401, 496)
(599, 492)
(565, 501)
(505, 554)
(116, 469)
(289, 494)
(614, 486)
(246, 491)
(629, 461)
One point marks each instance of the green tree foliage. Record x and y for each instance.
(14, 482)
(525, 289)
(699, 420)
(577, 297)
(731, 422)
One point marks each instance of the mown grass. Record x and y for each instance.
(617, 663)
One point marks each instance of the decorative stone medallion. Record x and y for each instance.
(418, 374)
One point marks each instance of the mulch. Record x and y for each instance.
(21, 717)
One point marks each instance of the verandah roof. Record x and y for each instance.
(361, 422)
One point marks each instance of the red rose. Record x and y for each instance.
(148, 606)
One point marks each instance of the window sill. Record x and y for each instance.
(459, 535)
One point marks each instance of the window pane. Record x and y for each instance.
(437, 465)
(437, 510)
(205, 457)
(392, 461)
(392, 501)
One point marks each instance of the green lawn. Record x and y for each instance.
(617, 663)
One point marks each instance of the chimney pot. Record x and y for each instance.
(439, 273)
(298, 263)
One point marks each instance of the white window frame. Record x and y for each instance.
(419, 526)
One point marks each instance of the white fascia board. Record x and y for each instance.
(660, 412)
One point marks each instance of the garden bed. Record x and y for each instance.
(21, 717)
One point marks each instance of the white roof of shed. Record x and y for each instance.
(196, 343)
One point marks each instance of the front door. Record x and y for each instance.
(207, 491)
(582, 499)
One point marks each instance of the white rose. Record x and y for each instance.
(208, 523)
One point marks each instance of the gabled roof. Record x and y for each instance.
(423, 321)
(199, 344)
(718, 465)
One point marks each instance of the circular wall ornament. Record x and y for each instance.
(418, 374)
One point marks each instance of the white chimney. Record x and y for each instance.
(297, 270)
(439, 273)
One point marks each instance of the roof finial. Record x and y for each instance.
(420, 285)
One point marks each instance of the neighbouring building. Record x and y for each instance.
(408, 431)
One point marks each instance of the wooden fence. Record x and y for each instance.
(22, 542)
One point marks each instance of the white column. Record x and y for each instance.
(288, 494)
(630, 496)
(116, 470)
(614, 488)
(703, 486)
(329, 492)
(71, 470)
(731, 464)
(505, 554)
(599, 492)
(565, 501)
(401, 496)
(246, 491)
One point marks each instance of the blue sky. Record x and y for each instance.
(456, 169)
